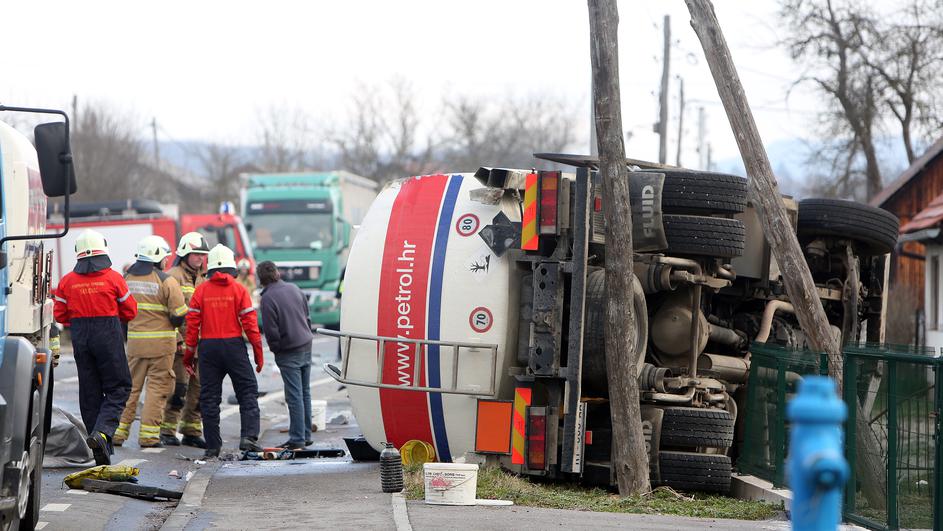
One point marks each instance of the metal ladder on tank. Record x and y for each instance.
(459, 350)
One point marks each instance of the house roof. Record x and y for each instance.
(926, 218)
(918, 165)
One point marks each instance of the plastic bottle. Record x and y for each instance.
(391, 469)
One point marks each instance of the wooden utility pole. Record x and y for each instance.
(680, 124)
(629, 458)
(663, 95)
(779, 232)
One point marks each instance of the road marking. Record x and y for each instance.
(76, 491)
(41, 525)
(232, 410)
(151, 450)
(400, 514)
(56, 507)
(70, 379)
(130, 462)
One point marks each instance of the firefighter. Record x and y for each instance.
(220, 312)
(183, 408)
(93, 300)
(245, 276)
(152, 340)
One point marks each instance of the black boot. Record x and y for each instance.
(169, 440)
(211, 453)
(100, 447)
(193, 440)
(250, 444)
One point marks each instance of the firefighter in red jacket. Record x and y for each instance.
(220, 311)
(93, 300)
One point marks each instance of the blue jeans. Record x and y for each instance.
(296, 375)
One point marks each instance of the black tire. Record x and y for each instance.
(874, 229)
(689, 471)
(31, 518)
(694, 427)
(704, 236)
(701, 192)
(595, 379)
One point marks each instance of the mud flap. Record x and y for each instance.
(645, 191)
(651, 428)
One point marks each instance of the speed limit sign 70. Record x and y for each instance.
(481, 319)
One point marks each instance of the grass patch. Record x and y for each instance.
(497, 484)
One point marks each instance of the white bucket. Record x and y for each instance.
(450, 483)
(319, 414)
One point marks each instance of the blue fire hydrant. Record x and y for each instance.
(817, 468)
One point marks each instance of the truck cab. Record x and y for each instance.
(27, 176)
(304, 222)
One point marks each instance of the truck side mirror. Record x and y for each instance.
(55, 159)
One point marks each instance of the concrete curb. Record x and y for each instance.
(400, 513)
(746, 487)
(192, 498)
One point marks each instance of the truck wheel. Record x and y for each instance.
(695, 472)
(874, 229)
(595, 377)
(701, 192)
(31, 518)
(704, 236)
(693, 427)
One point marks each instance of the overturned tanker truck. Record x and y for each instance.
(474, 305)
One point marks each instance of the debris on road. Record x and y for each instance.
(114, 473)
(142, 492)
(340, 419)
(174, 474)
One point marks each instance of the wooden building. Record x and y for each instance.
(906, 197)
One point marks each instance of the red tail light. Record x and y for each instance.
(537, 438)
(549, 188)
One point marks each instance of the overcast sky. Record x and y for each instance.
(204, 69)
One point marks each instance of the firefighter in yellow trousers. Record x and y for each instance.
(183, 408)
(152, 340)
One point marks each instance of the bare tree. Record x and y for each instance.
(221, 165)
(107, 154)
(504, 132)
(876, 71)
(379, 137)
(284, 139)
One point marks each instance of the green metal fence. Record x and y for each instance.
(895, 396)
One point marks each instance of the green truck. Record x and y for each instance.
(305, 222)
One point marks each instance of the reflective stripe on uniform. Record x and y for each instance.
(195, 310)
(187, 289)
(149, 432)
(168, 426)
(124, 297)
(191, 426)
(152, 335)
(246, 310)
(122, 431)
(182, 310)
(152, 306)
(60, 299)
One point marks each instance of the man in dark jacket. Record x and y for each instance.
(287, 329)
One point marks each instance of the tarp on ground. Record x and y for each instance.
(65, 445)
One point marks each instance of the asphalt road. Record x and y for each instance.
(167, 467)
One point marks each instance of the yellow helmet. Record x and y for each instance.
(153, 248)
(192, 242)
(221, 257)
(90, 243)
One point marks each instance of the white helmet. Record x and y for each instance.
(90, 243)
(153, 249)
(221, 257)
(192, 242)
